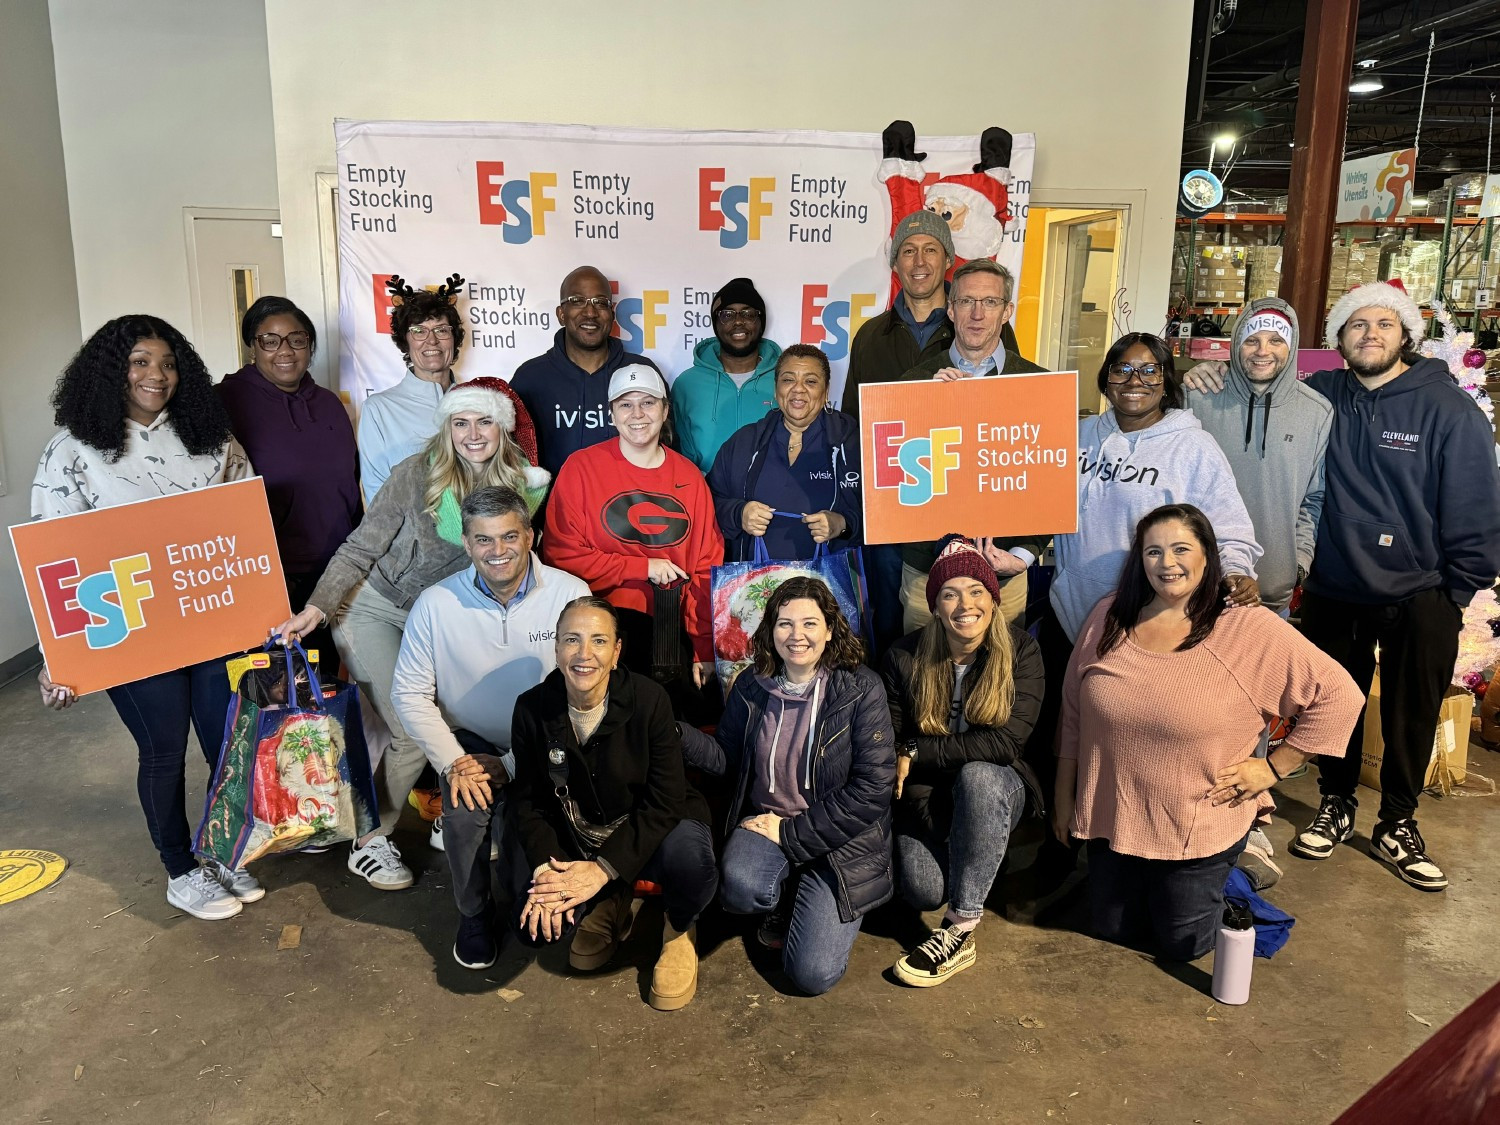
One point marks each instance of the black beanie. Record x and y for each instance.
(740, 291)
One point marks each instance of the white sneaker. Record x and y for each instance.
(241, 884)
(379, 862)
(436, 840)
(198, 893)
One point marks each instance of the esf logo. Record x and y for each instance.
(105, 607)
(734, 211)
(831, 325)
(638, 318)
(518, 206)
(917, 467)
(383, 305)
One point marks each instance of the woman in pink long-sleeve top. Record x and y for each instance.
(1164, 703)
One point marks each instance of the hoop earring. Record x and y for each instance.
(406, 357)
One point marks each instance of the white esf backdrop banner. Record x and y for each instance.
(668, 215)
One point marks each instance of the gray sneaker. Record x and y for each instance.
(241, 884)
(200, 894)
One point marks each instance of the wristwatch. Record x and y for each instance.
(909, 750)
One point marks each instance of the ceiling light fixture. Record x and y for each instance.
(1366, 84)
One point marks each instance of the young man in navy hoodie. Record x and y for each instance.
(566, 389)
(1410, 531)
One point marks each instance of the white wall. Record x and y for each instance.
(1100, 82)
(165, 104)
(37, 289)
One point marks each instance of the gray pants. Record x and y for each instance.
(368, 636)
(467, 834)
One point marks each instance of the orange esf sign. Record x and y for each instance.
(983, 456)
(126, 592)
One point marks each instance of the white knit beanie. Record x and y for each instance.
(1380, 296)
(475, 395)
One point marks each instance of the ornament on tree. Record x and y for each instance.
(1455, 349)
(1475, 359)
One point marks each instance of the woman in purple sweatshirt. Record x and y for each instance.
(303, 442)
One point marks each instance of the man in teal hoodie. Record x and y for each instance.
(733, 378)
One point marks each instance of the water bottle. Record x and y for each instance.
(1234, 956)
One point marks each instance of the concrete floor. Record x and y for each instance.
(113, 1006)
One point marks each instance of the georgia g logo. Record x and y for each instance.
(652, 519)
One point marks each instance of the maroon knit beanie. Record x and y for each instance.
(957, 557)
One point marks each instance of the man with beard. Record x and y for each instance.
(733, 378)
(566, 389)
(1410, 530)
(472, 644)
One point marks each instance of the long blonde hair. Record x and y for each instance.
(447, 471)
(992, 688)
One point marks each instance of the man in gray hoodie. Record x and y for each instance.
(1273, 429)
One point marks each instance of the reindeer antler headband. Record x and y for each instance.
(401, 292)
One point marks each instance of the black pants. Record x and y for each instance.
(1040, 753)
(466, 840)
(1171, 906)
(299, 588)
(1418, 641)
(665, 658)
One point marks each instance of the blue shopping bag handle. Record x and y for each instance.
(762, 557)
(315, 687)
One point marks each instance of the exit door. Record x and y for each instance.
(234, 258)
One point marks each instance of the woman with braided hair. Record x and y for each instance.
(396, 422)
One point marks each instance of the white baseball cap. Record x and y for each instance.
(636, 377)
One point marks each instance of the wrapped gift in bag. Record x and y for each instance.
(742, 589)
(293, 772)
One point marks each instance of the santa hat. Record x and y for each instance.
(488, 395)
(959, 558)
(1380, 295)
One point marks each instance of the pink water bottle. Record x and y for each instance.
(1234, 956)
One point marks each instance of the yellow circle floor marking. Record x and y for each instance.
(24, 871)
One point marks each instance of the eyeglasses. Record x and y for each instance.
(1150, 374)
(271, 341)
(440, 332)
(598, 304)
(988, 304)
(729, 316)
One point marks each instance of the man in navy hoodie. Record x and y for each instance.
(1410, 531)
(566, 389)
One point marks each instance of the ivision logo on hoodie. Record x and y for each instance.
(1111, 470)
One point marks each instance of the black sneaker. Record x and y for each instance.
(475, 948)
(947, 952)
(1398, 843)
(1331, 827)
(771, 933)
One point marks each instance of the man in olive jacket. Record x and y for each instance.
(981, 302)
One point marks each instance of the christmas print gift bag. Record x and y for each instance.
(742, 589)
(294, 771)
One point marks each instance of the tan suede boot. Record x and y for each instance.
(598, 935)
(675, 978)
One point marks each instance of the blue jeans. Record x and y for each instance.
(818, 941)
(988, 800)
(683, 866)
(158, 711)
(467, 834)
(1177, 902)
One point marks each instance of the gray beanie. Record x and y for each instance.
(922, 222)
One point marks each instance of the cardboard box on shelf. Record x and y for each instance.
(1209, 347)
(1449, 763)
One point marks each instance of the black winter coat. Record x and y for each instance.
(632, 765)
(926, 803)
(848, 822)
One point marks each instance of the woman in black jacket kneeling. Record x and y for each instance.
(964, 691)
(807, 732)
(600, 800)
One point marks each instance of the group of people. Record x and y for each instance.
(517, 576)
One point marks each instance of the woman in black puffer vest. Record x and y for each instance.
(807, 733)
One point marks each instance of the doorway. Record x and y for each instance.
(234, 258)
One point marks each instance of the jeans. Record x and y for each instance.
(1418, 646)
(467, 834)
(883, 571)
(683, 866)
(988, 800)
(818, 941)
(1178, 902)
(157, 712)
(368, 636)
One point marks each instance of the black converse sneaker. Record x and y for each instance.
(948, 952)
(1398, 843)
(1331, 827)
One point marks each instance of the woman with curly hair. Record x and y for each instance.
(299, 437)
(808, 735)
(964, 690)
(140, 420)
(412, 537)
(396, 422)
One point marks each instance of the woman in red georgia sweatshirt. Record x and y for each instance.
(635, 520)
